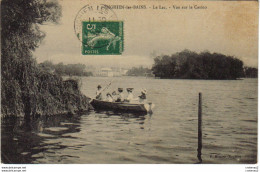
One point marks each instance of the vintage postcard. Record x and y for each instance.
(129, 82)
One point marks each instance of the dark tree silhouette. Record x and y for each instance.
(251, 72)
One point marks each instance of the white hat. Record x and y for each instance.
(144, 91)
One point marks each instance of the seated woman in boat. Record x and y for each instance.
(109, 98)
(99, 93)
(130, 96)
(142, 97)
(120, 96)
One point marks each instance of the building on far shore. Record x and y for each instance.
(110, 72)
(105, 72)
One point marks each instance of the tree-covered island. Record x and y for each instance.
(191, 65)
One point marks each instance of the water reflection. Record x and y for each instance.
(40, 140)
(167, 136)
(22, 140)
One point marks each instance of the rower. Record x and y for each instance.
(142, 97)
(99, 93)
(120, 96)
(130, 96)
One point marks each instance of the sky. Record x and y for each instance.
(227, 27)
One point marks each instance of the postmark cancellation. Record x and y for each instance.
(99, 30)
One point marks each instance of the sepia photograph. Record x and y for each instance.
(129, 82)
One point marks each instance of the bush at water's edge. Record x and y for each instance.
(48, 94)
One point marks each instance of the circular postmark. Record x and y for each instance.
(93, 13)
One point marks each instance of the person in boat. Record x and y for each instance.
(142, 97)
(130, 96)
(109, 97)
(120, 96)
(99, 92)
(114, 95)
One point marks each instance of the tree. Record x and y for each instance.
(251, 72)
(20, 36)
(25, 88)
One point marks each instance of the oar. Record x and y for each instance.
(105, 88)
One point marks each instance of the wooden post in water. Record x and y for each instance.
(199, 128)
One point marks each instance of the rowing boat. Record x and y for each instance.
(121, 106)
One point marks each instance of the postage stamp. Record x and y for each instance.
(99, 30)
(102, 38)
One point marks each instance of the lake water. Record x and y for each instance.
(169, 135)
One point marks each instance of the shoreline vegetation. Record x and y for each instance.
(27, 90)
(139, 71)
(65, 70)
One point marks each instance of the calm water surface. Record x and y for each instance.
(169, 135)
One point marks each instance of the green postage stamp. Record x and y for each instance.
(102, 38)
